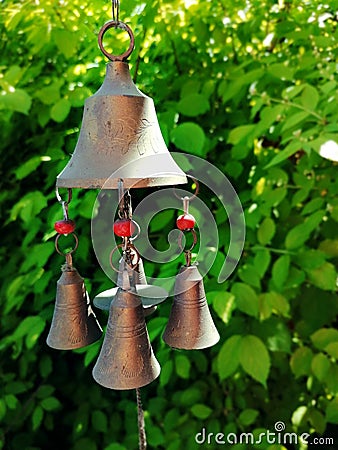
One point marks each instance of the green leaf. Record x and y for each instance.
(313, 205)
(281, 71)
(37, 417)
(99, 421)
(266, 231)
(299, 415)
(310, 259)
(332, 411)
(272, 302)
(292, 91)
(166, 372)
(45, 391)
(115, 446)
(65, 41)
(280, 271)
(323, 337)
(294, 119)
(332, 349)
(301, 361)
(31, 327)
(248, 274)
(254, 358)
(78, 96)
(3, 408)
(246, 299)
(301, 233)
(282, 155)
(228, 357)
(49, 95)
(224, 304)
(60, 110)
(240, 133)
(323, 277)
(310, 97)
(11, 401)
(28, 167)
(16, 100)
(193, 105)
(156, 326)
(296, 237)
(329, 247)
(248, 417)
(189, 137)
(320, 366)
(29, 206)
(92, 353)
(262, 261)
(50, 403)
(317, 420)
(182, 365)
(201, 411)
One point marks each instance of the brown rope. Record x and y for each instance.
(140, 421)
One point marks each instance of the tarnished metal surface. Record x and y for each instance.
(126, 360)
(119, 133)
(190, 324)
(150, 295)
(74, 323)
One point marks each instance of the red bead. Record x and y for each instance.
(124, 227)
(65, 226)
(185, 222)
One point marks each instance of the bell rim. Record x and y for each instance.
(129, 183)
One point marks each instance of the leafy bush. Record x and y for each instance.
(249, 86)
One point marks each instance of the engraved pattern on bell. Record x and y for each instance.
(126, 359)
(119, 133)
(74, 324)
(190, 325)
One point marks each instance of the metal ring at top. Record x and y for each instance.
(194, 195)
(132, 248)
(194, 235)
(60, 252)
(116, 24)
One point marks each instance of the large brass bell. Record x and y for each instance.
(190, 324)
(74, 323)
(126, 360)
(120, 135)
(150, 295)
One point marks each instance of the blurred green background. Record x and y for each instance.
(251, 87)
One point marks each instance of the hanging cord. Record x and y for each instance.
(142, 439)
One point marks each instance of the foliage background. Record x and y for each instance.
(251, 86)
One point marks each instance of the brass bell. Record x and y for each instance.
(74, 323)
(150, 295)
(126, 359)
(190, 324)
(120, 135)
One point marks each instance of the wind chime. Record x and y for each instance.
(119, 134)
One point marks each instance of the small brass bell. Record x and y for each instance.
(126, 360)
(120, 135)
(74, 324)
(190, 324)
(150, 295)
